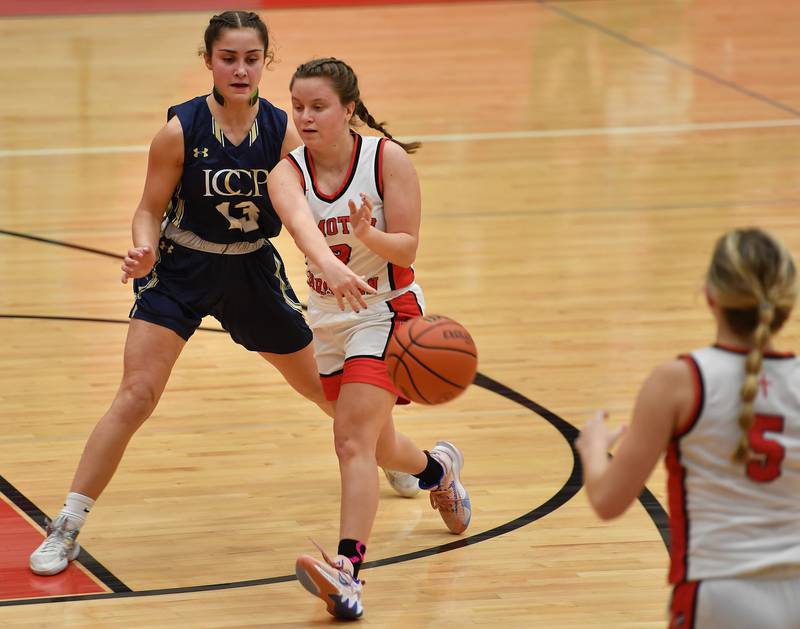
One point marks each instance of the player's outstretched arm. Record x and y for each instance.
(289, 202)
(664, 401)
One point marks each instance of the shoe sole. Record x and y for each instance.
(456, 454)
(309, 576)
(59, 568)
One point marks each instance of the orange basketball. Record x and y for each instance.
(431, 359)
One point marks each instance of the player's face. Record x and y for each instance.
(236, 63)
(318, 114)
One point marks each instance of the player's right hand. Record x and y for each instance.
(346, 285)
(138, 263)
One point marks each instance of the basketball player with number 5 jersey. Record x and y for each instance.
(356, 199)
(728, 418)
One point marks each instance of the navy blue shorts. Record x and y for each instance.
(248, 294)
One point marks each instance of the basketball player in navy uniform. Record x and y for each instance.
(357, 199)
(209, 255)
(728, 418)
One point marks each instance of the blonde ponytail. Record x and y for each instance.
(754, 281)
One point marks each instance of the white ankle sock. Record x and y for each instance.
(76, 508)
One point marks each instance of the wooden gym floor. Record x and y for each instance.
(580, 159)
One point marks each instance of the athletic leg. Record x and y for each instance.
(150, 353)
(299, 369)
(361, 412)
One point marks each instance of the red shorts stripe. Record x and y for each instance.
(405, 306)
(400, 276)
(683, 606)
(371, 369)
(366, 370)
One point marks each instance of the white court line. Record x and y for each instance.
(463, 137)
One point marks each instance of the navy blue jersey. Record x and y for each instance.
(222, 195)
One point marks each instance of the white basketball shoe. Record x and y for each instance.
(57, 550)
(404, 484)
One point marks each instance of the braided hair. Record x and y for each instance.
(753, 278)
(235, 20)
(345, 84)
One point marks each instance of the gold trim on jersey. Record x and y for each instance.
(176, 220)
(153, 281)
(254, 131)
(217, 131)
(291, 302)
(252, 135)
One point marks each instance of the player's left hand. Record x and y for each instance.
(361, 216)
(596, 435)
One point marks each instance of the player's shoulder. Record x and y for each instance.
(676, 372)
(394, 157)
(392, 150)
(188, 108)
(271, 113)
(168, 140)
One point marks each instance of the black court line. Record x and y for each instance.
(60, 243)
(572, 485)
(119, 589)
(37, 515)
(88, 320)
(668, 58)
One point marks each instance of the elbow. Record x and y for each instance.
(607, 506)
(406, 257)
(404, 261)
(606, 511)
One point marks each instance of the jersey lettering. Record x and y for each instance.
(320, 286)
(230, 182)
(338, 224)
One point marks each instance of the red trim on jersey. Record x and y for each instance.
(743, 350)
(364, 369)
(399, 276)
(348, 177)
(676, 481)
(699, 396)
(678, 520)
(299, 170)
(683, 606)
(405, 306)
(379, 166)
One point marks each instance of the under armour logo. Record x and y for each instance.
(199, 152)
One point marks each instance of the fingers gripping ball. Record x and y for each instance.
(431, 359)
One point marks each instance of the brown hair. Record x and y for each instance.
(234, 20)
(345, 84)
(754, 281)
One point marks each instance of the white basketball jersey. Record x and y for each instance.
(728, 518)
(332, 215)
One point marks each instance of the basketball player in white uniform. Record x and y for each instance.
(356, 199)
(728, 418)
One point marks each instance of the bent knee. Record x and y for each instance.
(137, 399)
(352, 440)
